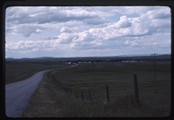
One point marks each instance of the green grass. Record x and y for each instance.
(16, 71)
(56, 95)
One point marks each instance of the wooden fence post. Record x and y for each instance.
(82, 96)
(90, 95)
(107, 94)
(136, 89)
(76, 93)
(70, 91)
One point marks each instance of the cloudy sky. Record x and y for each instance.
(87, 31)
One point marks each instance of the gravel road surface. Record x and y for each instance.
(18, 94)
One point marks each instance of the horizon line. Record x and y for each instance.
(90, 56)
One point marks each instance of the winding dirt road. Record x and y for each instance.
(18, 94)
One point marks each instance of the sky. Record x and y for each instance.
(85, 31)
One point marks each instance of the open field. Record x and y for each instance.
(65, 92)
(16, 71)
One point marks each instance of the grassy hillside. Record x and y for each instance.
(65, 93)
(16, 71)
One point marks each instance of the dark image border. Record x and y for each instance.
(6, 3)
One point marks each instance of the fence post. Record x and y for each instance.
(82, 96)
(90, 95)
(70, 91)
(76, 93)
(136, 89)
(107, 93)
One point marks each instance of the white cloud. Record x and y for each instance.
(123, 22)
(159, 14)
(41, 15)
(26, 29)
(65, 29)
(65, 38)
(87, 28)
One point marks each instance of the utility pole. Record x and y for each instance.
(154, 60)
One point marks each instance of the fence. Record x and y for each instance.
(86, 94)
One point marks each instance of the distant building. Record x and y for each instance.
(128, 61)
(133, 61)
